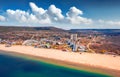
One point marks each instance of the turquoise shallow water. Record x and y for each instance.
(11, 66)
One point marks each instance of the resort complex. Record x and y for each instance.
(48, 37)
(55, 42)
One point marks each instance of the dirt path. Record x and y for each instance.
(88, 46)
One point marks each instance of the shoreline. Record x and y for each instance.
(70, 65)
(65, 63)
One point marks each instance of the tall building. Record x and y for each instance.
(74, 37)
(74, 42)
(0, 40)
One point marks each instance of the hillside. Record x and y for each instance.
(13, 28)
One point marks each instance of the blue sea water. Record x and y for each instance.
(11, 66)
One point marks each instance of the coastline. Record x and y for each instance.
(66, 63)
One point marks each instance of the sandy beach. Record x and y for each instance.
(95, 60)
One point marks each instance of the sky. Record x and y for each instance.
(66, 14)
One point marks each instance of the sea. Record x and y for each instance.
(13, 66)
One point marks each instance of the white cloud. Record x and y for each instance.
(36, 9)
(2, 18)
(101, 21)
(51, 15)
(110, 22)
(73, 16)
(54, 13)
(17, 15)
(113, 22)
(73, 12)
(25, 17)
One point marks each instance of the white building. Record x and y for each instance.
(29, 42)
(0, 40)
(74, 37)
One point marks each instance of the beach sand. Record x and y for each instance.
(107, 63)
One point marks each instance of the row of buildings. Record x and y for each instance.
(66, 44)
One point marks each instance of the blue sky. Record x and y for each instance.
(67, 14)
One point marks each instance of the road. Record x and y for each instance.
(88, 45)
